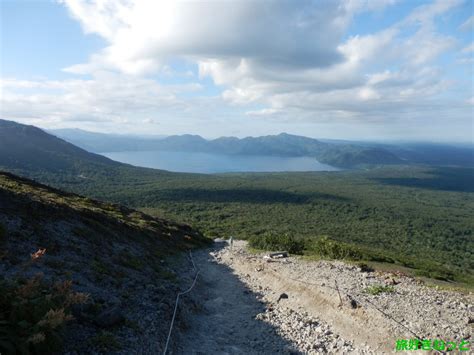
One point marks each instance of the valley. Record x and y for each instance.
(236, 177)
(410, 225)
(414, 216)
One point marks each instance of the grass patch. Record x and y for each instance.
(378, 289)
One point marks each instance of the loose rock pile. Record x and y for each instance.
(308, 334)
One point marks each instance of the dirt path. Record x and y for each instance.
(234, 308)
(224, 322)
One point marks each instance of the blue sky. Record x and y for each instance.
(355, 69)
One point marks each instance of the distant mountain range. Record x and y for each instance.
(30, 150)
(345, 154)
(340, 155)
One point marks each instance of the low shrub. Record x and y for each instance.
(277, 242)
(332, 249)
(33, 313)
(378, 289)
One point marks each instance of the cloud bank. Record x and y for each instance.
(285, 60)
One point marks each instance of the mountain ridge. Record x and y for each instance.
(341, 153)
(283, 144)
(18, 142)
(57, 154)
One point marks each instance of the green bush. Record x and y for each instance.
(33, 314)
(274, 242)
(332, 249)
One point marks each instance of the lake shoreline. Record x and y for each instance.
(210, 163)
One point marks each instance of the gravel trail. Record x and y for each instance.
(245, 304)
(224, 320)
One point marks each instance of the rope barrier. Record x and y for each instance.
(177, 301)
(364, 301)
(358, 300)
(294, 279)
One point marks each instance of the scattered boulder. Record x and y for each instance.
(352, 302)
(363, 267)
(280, 254)
(282, 296)
(391, 281)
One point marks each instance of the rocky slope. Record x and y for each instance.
(124, 260)
(244, 304)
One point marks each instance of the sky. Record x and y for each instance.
(346, 69)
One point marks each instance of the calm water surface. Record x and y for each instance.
(217, 163)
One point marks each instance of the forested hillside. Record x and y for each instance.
(415, 216)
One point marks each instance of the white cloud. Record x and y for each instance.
(468, 25)
(359, 84)
(142, 34)
(105, 97)
(262, 112)
(295, 61)
(468, 49)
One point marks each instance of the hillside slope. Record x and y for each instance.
(30, 148)
(103, 142)
(29, 151)
(118, 256)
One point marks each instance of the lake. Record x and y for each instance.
(191, 162)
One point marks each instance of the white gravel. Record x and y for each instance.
(235, 309)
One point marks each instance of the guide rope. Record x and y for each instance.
(358, 300)
(177, 301)
(363, 301)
